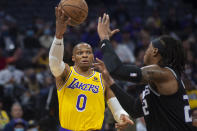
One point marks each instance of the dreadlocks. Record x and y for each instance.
(174, 55)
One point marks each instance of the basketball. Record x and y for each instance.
(77, 10)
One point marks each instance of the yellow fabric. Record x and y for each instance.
(4, 119)
(81, 102)
(192, 98)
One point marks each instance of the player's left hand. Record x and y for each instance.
(125, 122)
(99, 65)
(103, 27)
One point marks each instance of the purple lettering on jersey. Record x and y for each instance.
(81, 86)
(71, 85)
(91, 87)
(76, 85)
(86, 87)
(95, 90)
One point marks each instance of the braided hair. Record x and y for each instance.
(174, 54)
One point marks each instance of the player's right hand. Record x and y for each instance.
(125, 122)
(61, 22)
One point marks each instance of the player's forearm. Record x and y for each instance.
(129, 103)
(110, 58)
(56, 52)
(116, 68)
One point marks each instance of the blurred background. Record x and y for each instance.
(28, 97)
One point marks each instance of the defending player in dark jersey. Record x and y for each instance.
(163, 103)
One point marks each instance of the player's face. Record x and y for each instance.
(83, 55)
(148, 55)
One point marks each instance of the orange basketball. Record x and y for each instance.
(77, 10)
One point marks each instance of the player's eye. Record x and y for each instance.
(89, 52)
(79, 53)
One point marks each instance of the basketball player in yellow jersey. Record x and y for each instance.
(81, 90)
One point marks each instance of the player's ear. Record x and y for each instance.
(73, 58)
(155, 51)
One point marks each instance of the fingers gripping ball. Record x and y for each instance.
(77, 10)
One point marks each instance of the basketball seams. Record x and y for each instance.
(71, 17)
(77, 10)
(75, 7)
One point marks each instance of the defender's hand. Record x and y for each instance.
(105, 74)
(61, 22)
(125, 122)
(103, 28)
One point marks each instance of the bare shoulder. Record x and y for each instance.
(155, 73)
(163, 78)
(60, 80)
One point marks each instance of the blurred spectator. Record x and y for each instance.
(32, 125)
(17, 121)
(4, 119)
(30, 41)
(139, 55)
(41, 60)
(91, 36)
(10, 78)
(126, 40)
(3, 62)
(171, 22)
(123, 52)
(20, 125)
(121, 14)
(46, 39)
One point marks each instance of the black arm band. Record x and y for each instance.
(116, 68)
(128, 72)
(110, 58)
(132, 105)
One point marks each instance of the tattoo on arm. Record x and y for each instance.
(151, 74)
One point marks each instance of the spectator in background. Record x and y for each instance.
(10, 77)
(144, 40)
(32, 125)
(91, 36)
(19, 125)
(171, 22)
(6, 60)
(4, 119)
(30, 41)
(123, 52)
(46, 38)
(121, 14)
(17, 114)
(41, 60)
(126, 40)
(3, 62)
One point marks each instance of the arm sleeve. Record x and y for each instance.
(56, 53)
(132, 105)
(117, 69)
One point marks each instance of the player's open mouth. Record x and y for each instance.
(85, 61)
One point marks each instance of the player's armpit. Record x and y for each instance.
(61, 80)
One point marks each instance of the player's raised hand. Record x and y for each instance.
(125, 122)
(61, 22)
(103, 27)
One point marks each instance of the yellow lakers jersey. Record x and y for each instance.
(81, 102)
